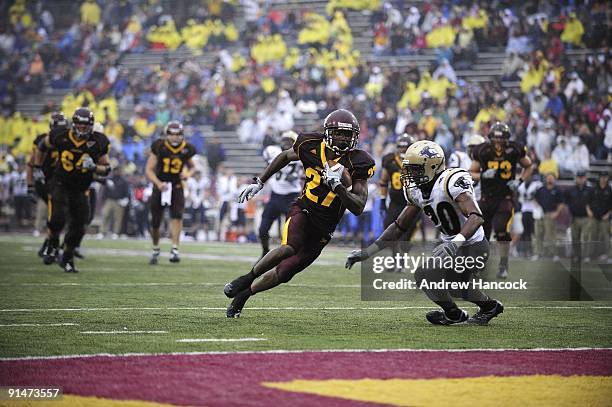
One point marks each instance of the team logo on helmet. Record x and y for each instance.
(429, 152)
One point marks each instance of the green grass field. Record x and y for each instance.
(321, 308)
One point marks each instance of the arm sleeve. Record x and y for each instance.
(364, 167)
(458, 183)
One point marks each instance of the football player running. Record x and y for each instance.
(40, 169)
(446, 197)
(82, 153)
(495, 164)
(169, 163)
(314, 215)
(285, 185)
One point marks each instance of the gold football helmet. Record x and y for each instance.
(421, 163)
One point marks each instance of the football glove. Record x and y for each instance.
(332, 176)
(514, 185)
(88, 164)
(445, 249)
(356, 256)
(251, 190)
(490, 173)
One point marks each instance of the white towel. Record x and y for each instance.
(166, 196)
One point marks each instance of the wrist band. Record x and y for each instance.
(475, 213)
(371, 249)
(459, 240)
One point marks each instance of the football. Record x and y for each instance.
(347, 181)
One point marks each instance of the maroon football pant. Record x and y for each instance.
(306, 240)
(497, 213)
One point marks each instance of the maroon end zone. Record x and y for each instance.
(221, 379)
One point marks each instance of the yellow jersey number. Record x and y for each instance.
(315, 181)
(172, 165)
(67, 159)
(396, 182)
(504, 166)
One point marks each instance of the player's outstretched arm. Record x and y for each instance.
(279, 162)
(393, 233)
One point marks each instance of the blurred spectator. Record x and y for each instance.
(577, 198)
(598, 209)
(117, 198)
(215, 154)
(550, 199)
(90, 13)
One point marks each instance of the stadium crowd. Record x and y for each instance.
(256, 70)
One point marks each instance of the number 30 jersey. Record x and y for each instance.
(440, 205)
(324, 207)
(171, 160)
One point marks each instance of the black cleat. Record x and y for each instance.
(438, 317)
(43, 249)
(483, 318)
(50, 255)
(174, 256)
(69, 267)
(235, 308)
(237, 285)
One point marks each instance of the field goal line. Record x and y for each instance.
(285, 351)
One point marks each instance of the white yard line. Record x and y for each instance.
(121, 332)
(58, 324)
(284, 351)
(17, 310)
(196, 340)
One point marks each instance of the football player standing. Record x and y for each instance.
(82, 153)
(285, 185)
(314, 215)
(169, 163)
(446, 196)
(495, 164)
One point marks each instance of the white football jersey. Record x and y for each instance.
(289, 179)
(459, 159)
(441, 207)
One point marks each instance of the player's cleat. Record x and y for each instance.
(78, 254)
(154, 257)
(69, 267)
(235, 308)
(502, 273)
(483, 317)
(50, 255)
(41, 251)
(237, 285)
(174, 255)
(439, 317)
